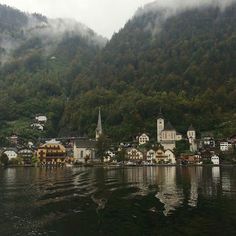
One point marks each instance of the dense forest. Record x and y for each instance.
(182, 62)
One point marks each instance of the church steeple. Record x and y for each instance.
(99, 125)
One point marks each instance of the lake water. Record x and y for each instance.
(118, 201)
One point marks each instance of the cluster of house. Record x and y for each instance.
(83, 150)
(39, 122)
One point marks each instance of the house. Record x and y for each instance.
(215, 160)
(135, 155)
(143, 139)
(84, 150)
(187, 158)
(208, 141)
(52, 153)
(11, 153)
(111, 154)
(26, 154)
(170, 156)
(151, 156)
(165, 157)
(14, 139)
(225, 146)
(37, 126)
(41, 119)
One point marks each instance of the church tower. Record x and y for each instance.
(191, 134)
(99, 125)
(160, 126)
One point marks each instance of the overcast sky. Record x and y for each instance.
(103, 16)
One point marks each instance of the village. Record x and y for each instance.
(170, 148)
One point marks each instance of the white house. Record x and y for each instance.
(41, 119)
(225, 146)
(151, 155)
(142, 139)
(170, 156)
(11, 153)
(215, 160)
(135, 155)
(111, 154)
(84, 150)
(37, 126)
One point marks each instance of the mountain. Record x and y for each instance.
(182, 61)
(179, 59)
(39, 58)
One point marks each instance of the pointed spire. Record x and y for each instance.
(99, 125)
(191, 128)
(160, 115)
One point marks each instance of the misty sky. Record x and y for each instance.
(103, 16)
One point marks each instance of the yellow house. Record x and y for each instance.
(52, 152)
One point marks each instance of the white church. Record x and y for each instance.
(167, 135)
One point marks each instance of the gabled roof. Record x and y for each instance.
(191, 128)
(85, 143)
(169, 127)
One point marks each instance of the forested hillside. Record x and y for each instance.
(183, 62)
(40, 58)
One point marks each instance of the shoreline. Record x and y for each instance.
(119, 166)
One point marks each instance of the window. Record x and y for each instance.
(81, 154)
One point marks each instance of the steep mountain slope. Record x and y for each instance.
(40, 58)
(183, 61)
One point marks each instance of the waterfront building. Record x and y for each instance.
(165, 157)
(52, 153)
(135, 155)
(11, 153)
(215, 160)
(26, 154)
(170, 157)
(84, 150)
(188, 158)
(151, 155)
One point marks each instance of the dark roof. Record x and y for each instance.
(169, 127)
(191, 128)
(160, 116)
(85, 143)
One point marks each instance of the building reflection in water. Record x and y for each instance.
(177, 186)
(168, 192)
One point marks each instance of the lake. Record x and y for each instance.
(118, 201)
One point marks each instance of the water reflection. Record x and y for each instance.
(33, 200)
